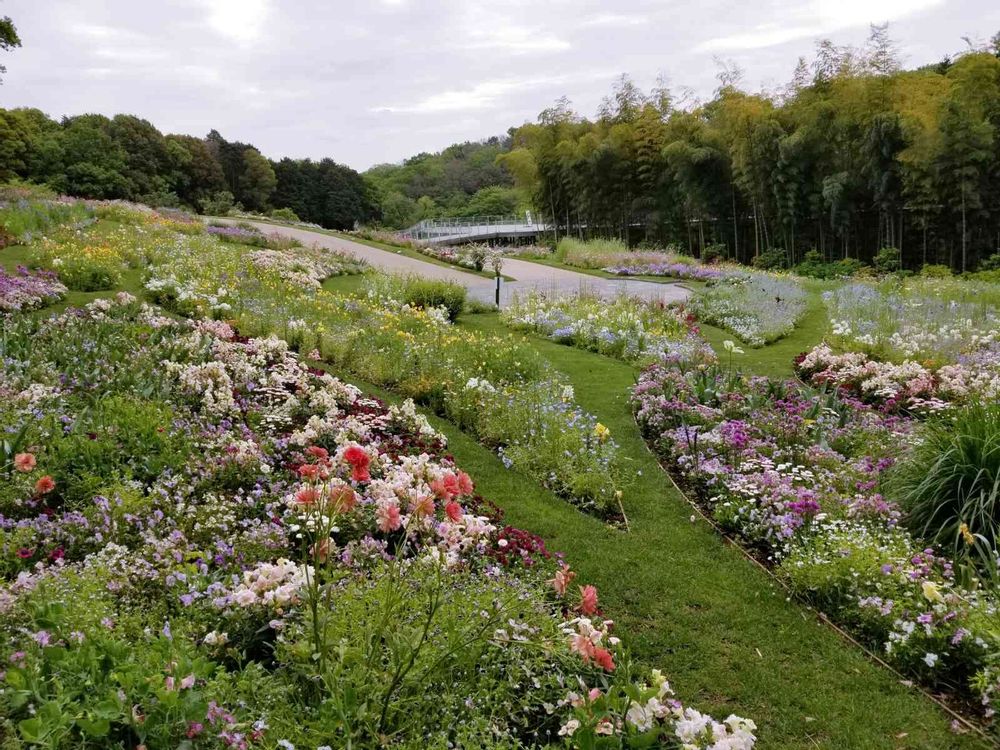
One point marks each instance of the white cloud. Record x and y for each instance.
(817, 18)
(240, 20)
(512, 38)
(613, 19)
(480, 96)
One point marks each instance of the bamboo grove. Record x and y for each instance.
(854, 155)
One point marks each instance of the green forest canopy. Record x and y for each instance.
(126, 157)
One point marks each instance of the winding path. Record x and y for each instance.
(526, 275)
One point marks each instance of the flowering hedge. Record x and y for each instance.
(206, 543)
(626, 328)
(672, 269)
(26, 290)
(796, 473)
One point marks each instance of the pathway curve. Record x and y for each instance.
(526, 275)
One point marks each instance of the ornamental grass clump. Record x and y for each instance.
(949, 483)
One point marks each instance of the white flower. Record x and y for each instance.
(930, 659)
(567, 729)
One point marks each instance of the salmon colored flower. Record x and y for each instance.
(388, 518)
(562, 579)
(454, 511)
(321, 550)
(308, 471)
(588, 600)
(317, 451)
(423, 506)
(24, 462)
(45, 485)
(342, 498)
(465, 486)
(603, 658)
(307, 496)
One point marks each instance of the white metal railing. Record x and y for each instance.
(472, 227)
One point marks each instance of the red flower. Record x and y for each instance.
(57, 554)
(45, 485)
(453, 510)
(604, 659)
(24, 553)
(359, 461)
(588, 600)
(24, 462)
(308, 471)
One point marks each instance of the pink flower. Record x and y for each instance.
(562, 579)
(454, 511)
(588, 600)
(464, 483)
(317, 451)
(388, 517)
(342, 498)
(187, 682)
(307, 496)
(24, 462)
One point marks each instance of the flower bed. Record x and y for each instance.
(27, 290)
(657, 266)
(937, 320)
(626, 328)
(757, 307)
(388, 342)
(797, 473)
(206, 543)
(910, 385)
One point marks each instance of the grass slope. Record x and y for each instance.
(718, 626)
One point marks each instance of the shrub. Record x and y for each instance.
(417, 291)
(220, 204)
(771, 259)
(814, 266)
(713, 252)
(949, 482)
(285, 214)
(992, 263)
(887, 260)
(935, 271)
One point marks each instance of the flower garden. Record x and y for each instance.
(208, 538)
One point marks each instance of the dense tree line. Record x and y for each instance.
(853, 156)
(465, 179)
(126, 157)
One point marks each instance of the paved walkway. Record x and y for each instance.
(526, 275)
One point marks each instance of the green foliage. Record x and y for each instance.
(815, 267)
(418, 291)
(772, 259)
(951, 477)
(935, 271)
(887, 260)
(285, 214)
(219, 204)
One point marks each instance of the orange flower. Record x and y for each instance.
(24, 462)
(45, 485)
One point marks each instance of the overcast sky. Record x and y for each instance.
(369, 81)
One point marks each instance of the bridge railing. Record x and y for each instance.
(472, 226)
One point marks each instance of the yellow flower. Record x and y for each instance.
(931, 591)
(602, 432)
(966, 534)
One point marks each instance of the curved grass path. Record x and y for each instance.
(720, 628)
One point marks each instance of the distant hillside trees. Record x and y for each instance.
(127, 157)
(465, 179)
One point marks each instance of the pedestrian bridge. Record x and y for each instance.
(474, 229)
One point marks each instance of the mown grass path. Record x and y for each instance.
(686, 602)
